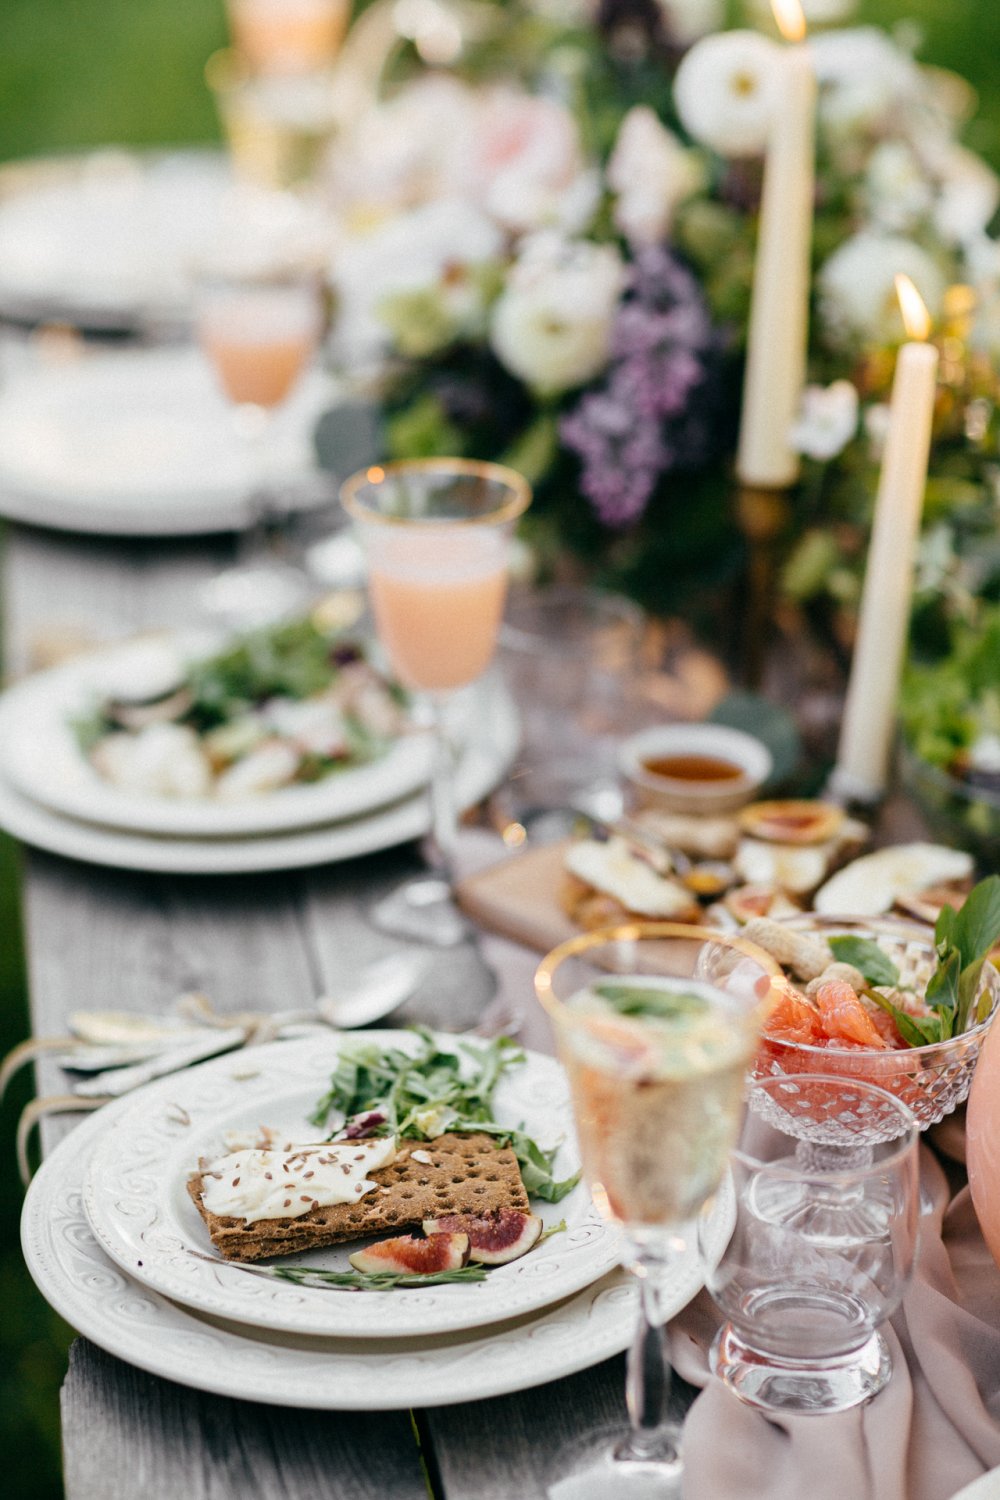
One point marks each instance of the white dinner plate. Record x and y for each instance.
(146, 1330)
(136, 1199)
(142, 442)
(41, 757)
(490, 750)
(106, 239)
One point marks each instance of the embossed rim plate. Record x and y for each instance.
(495, 736)
(140, 1212)
(41, 758)
(146, 1330)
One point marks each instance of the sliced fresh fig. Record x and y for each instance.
(407, 1254)
(749, 901)
(792, 822)
(872, 884)
(494, 1238)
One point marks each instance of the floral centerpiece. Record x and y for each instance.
(546, 257)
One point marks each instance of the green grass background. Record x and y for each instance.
(77, 73)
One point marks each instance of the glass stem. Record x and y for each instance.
(653, 1438)
(253, 425)
(440, 849)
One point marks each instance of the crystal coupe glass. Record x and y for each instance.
(656, 1023)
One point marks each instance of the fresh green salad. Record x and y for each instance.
(426, 1092)
(290, 703)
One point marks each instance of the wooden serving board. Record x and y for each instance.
(519, 897)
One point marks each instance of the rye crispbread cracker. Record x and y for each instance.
(465, 1174)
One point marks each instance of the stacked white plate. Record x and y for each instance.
(52, 797)
(106, 240)
(142, 443)
(117, 1247)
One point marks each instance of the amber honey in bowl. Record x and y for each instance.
(693, 768)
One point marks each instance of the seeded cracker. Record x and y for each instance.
(465, 1174)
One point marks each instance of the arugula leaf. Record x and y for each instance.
(369, 1281)
(420, 1095)
(866, 956)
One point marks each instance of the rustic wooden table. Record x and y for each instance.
(99, 938)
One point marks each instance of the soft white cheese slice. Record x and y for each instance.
(254, 1185)
(612, 867)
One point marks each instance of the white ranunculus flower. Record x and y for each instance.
(687, 20)
(827, 420)
(724, 91)
(863, 76)
(413, 252)
(896, 186)
(651, 173)
(857, 293)
(552, 323)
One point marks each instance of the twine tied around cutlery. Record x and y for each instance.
(116, 1051)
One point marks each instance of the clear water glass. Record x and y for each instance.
(820, 1254)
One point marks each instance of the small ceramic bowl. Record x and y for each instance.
(686, 792)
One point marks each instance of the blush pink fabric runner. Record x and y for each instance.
(936, 1426)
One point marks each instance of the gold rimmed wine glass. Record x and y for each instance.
(436, 538)
(656, 1025)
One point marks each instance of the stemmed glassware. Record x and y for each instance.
(259, 328)
(656, 1023)
(435, 534)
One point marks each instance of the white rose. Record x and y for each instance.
(651, 173)
(827, 420)
(413, 252)
(863, 76)
(969, 195)
(857, 294)
(404, 152)
(552, 323)
(687, 20)
(896, 186)
(526, 164)
(724, 90)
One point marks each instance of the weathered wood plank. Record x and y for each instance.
(127, 1434)
(511, 1446)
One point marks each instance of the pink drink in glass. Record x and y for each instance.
(259, 340)
(437, 600)
(288, 36)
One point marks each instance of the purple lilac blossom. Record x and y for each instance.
(648, 416)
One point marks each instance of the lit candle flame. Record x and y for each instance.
(791, 19)
(916, 318)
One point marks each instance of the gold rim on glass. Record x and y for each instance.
(376, 474)
(631, 932)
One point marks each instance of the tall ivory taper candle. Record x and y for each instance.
(870, 711)
(779, 313)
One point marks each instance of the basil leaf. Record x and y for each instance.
(640, 1000)
(944, 984)
(916, 1031)
(866, 956)
(977, 924)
